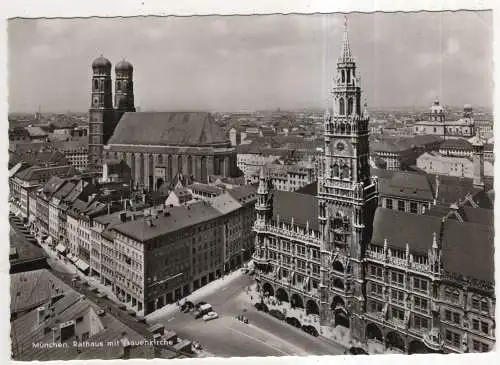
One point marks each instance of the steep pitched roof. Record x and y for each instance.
(467, 247)
(168, 128)
(243, 194)
(302, 208)
(459, 143)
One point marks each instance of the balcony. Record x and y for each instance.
(433, 340)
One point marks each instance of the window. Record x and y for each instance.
(452, 295)
(420, 322)
(484, 306)
(341, 107)
(376, 271)
(397, 278)
(388, 203)
(413, 207)
(376, 289)
(475, 303)
(456, 318)
(452, 338)
(401, 205)
(398, 314)
(376, 307)
(476, 345)
(420, 304)
(397, 296)
(420, 285)
(485, 328)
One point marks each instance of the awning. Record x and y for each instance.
(82, 265)
(61, 248)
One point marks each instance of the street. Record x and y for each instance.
(226, 336)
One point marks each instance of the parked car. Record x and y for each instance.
(202, 310)
(357, 351)
(277, 314)
(210, 315)
(187, 305)
(261, 307)
(199, 304)
(311, 330)
(293, 321)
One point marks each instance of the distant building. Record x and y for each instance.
(37, 134)
(179, 197)
(288, 177)
(19, 134)
(438, 125)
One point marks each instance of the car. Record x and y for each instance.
(187, 305)
(210, 315)
(357, 351)
(261, 307)
(310, 330)
(277, 314)
(199, 304)
(293, 321)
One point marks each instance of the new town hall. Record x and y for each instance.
(157, 146)
(405, 260)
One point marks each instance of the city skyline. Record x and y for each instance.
(254, 62)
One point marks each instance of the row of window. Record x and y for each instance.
(401, 205)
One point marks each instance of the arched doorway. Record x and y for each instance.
(394, 340)
(418, 347)
(374, 333)
(281, 295)
(296, 301)
(337, 302)
(268, 289)
(341, 318)
(312, 307)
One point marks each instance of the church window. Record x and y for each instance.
(345, 172)
(190, 165)
(348, 128)
(96, 84)
(350, 106)
(341, 106)
(335, 170)
(179, 164)
(348, 77)
(343, 76)
(118, 85)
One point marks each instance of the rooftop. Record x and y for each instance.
(303, 208)
(168, 129)
(177, 218)
(467, 247)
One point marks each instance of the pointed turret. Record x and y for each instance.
(346, 55)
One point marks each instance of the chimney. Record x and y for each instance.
(41, 314)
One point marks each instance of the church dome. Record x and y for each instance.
(124, 66)
(101, 62)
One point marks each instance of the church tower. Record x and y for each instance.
(124, 89)
(347, 198)
(101, 114)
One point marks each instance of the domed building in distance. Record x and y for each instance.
(157, 146)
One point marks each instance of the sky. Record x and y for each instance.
(236, 63)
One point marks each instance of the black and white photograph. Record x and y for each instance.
(254, 185)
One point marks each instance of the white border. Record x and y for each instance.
(107, 8)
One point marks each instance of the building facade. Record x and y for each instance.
(438, 125)
(390, 262)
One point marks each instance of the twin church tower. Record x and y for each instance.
(103, 116)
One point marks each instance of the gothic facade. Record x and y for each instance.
(156, 146)
(406, 281)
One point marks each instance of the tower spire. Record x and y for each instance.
(346, 48)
